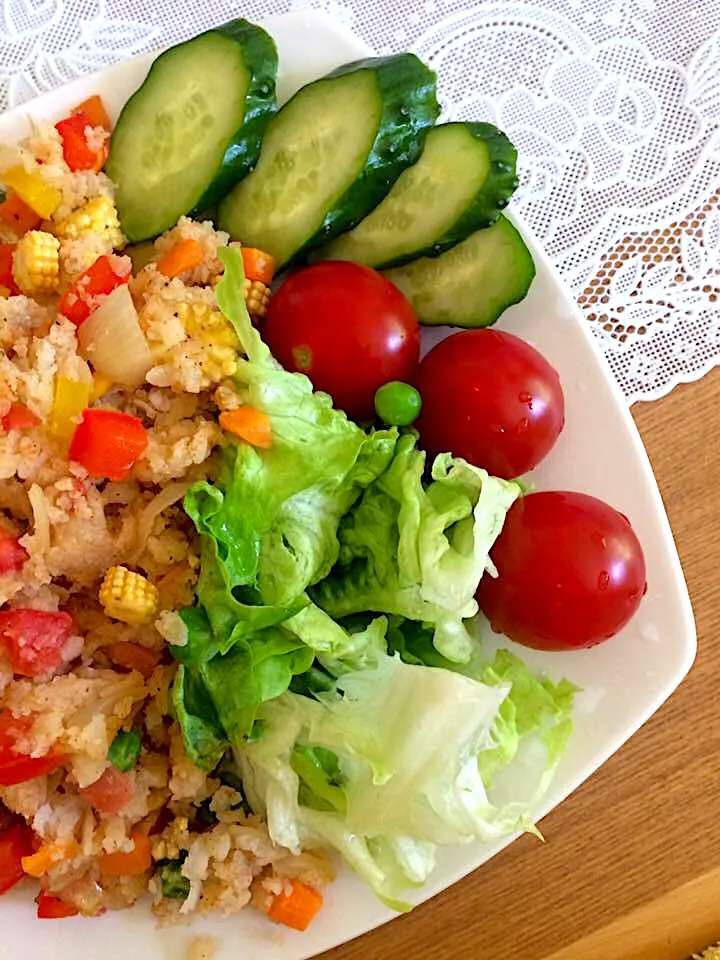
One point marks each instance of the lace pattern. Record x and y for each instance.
(614, 106)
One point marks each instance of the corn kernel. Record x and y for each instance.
(128, 596)
(257, 298)
(36, 263)
(213, 330)
(96, 216)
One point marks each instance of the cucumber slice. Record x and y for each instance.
(331, 154)
(471, 284)
(462, 181)
(194, 127)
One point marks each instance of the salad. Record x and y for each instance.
(245, 529)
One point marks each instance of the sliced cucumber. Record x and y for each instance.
(194, 127)
(331, 154)
(462, 181)
(471, 284)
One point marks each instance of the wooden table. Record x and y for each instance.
(631, 867)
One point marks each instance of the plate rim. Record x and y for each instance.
(306, 19)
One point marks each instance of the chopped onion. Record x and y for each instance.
(112, 340)
(161, 501)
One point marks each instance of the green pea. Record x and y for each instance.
(397, 403)
(174, 885)
(125, 750)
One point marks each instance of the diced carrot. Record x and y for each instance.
(122, 864)
(94, 110)
(297, 906)
(17, 215)
(185, 255)
(258, 264)
(48, 855)
(251, 425)
(133, 656)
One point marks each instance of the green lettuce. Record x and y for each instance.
(392, 763)
(419, 550)
(268, 528)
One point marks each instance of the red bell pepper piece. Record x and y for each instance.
(78, 153)
(19, 767)
(15, 843)
(35, 639)
(53, 908)
(94, 110)
(107, 443)
(7, 280)
(107, 273)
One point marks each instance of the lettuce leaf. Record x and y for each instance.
(268, 528)
(392, 763)
(419, 550)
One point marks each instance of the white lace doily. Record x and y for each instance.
(614, 106)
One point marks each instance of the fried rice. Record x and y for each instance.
(114, 676)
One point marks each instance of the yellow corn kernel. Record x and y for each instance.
(96, 216)
(34, 190)
(207, 324)
(213, 330)
(71, 398)
(128, 596)
(257, 297)
(36, 263)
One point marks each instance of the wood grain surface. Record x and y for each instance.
(631, 867)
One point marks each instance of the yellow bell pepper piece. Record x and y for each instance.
(71, 398)
(101, 386)
(37, 193)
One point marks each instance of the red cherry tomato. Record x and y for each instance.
(571, 572)
(36, 640)
(110, 792)
(19, 767)
(348, 328)
(490, 398)
(12, 554)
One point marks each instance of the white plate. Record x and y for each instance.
(600, 452)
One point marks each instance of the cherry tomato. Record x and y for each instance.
(12, 554)
(348, 328)
(571, 572)
(36, 640)
(491, 399)
(19, 767)
(110, 792)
